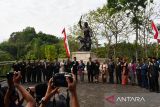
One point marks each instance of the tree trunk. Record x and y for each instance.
(136, 41)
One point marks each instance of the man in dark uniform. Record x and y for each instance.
(68, 66)
(23, 70)
(144, 72)
(28, 71)
(39, 71)
(56, 66)
(75, 67)
(96, 69)
(44, 71)
(90, 66)
(138, 73)
(111, 68)
(50, 68)
(16, 66)
(118, 71)
(149, 73)
(154, 74)
(33, 71)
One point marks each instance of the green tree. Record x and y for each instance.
(134, 9)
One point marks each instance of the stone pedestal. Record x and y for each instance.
(83, 56)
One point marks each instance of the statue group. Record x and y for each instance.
(85, 41)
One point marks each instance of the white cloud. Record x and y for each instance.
(49, 16)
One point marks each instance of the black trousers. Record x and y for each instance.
(34, 76)
(76, 75)
(23, 73)
(39, 75)
(118, 77)
(154, 83)
(111, 77)
(139, 79)
(90, 76)
(44, 74)
(144, 81)
(28, 76)
(150, 83)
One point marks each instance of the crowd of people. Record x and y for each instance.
(143, 72)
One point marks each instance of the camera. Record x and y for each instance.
(9, 75)
(59, 79)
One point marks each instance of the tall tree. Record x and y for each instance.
(133, 9)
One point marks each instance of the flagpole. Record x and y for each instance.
(148, 11)
(157, 48)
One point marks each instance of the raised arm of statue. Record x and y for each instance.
(80, 22)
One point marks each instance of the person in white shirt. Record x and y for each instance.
(104, 69)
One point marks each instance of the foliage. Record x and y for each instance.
(29, 44)
(4, 56)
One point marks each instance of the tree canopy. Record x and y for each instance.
(29, 44)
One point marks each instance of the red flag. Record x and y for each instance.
(66, 46)
(155, 30)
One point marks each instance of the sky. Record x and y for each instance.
(48, 16)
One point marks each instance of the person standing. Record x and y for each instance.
(124, 72)
(44, 71)
(154, 74)
(132, 72)
(96, 69)
(75, 67)
(90, 66)
(81, 67)
(33, 71)
(68, 66)
(62, 66)
(23, 70)
(39, 71)
(28, 70)
(56, 66)
(149, 72)
(144, 71)
(138, 73)
(50, 69)
(104, 68)
(118, 71)
(111, 68)
(16, 66)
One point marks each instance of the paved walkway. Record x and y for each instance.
(93, 95)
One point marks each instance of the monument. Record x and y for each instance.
(85, 43)
(83, 55)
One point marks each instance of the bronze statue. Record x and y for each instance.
(86, 40)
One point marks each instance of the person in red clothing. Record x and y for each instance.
(124, 72)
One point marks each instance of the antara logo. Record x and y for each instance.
(112, 99)
(130, 99)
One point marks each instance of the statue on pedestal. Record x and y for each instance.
(86, 40)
